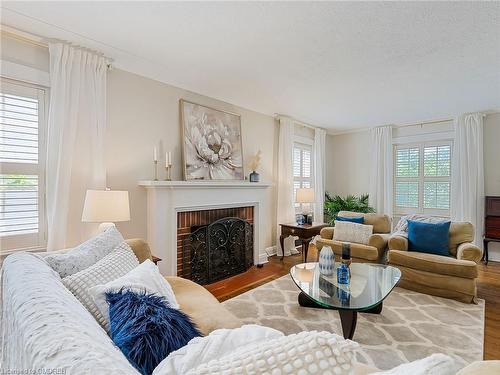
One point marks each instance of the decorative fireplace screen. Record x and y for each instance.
(219, 250)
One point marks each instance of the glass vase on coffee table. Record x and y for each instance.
(369, 285)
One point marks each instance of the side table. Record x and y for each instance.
(155, 259)
(305, 232)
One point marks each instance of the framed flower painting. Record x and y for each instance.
(212, 147)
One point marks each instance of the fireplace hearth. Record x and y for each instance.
(216, 251)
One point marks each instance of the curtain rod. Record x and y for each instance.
(298, 122)
(37, 40)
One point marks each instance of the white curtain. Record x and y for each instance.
(285, 205)
(319, 173)
(380, 163)
(467, 186)
(75, 138)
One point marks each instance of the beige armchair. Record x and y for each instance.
(450, 277)
(374, 251)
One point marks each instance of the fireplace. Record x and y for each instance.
(217, 251)
(174, 207)
(214, 244)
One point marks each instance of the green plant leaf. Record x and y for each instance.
(335, 204)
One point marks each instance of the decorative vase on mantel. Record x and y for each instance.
(326, 261)
(254, 177)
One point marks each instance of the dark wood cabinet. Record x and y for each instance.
(491, 223)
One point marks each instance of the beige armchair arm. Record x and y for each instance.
(398, 243)
(468, 251)
(379, 240)
(327, 233)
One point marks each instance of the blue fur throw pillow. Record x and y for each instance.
(146, 329)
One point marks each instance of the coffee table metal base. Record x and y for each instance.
(348, 318)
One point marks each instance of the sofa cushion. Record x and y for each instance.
(145, 277)
(381, 223)
(429, 238)
(85, 254)
(212, 315)
(114, 265)
(352, 232)
(146, 329)
(359, 220)
(433, 263)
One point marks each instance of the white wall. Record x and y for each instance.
(347, 163)
(143, 113)
(492, 167)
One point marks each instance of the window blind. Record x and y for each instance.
(18, 129)
(22, 172)
(422, 178)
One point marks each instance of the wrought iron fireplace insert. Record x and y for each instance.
(217, 251)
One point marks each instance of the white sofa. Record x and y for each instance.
(45, 327)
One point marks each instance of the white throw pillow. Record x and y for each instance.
(302, 353)
(114, 265)
(346, 231)
(85, 254)
(145, 277)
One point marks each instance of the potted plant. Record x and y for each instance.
(335, 204)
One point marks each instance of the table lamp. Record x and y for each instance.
(306, 195)
(106, 207)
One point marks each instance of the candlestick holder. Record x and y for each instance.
(168, 168)
(155, 170)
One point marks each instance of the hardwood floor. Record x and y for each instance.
(488, 288)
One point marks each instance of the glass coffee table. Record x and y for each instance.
(369, 285)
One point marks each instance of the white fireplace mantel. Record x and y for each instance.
(166, 198)
(204, 184)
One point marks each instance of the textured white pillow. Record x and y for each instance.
(114, 265)
(302, 353)
(352, 232)
(85, 254)
(145, 277)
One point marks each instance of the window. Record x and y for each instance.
(22, 125)
(422, 178)
(302, 172)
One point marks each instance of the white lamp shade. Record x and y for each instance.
(305, 195)
(106, 206)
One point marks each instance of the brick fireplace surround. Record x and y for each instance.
(189, 219)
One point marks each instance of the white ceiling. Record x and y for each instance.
(337, 65)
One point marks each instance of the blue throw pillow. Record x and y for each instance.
(359, 220)
(146, 329)
(430, 238)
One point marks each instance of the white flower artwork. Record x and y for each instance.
(212, 143)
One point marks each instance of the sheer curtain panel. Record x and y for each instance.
(381, 164)
(467, 173)
(75, 138)
(285, 205)
(319, 173)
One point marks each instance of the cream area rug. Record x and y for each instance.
(411, 326)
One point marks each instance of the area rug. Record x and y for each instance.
(411, 326)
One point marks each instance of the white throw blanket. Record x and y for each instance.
(218, 344)
(44, 327)
(401, 228)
